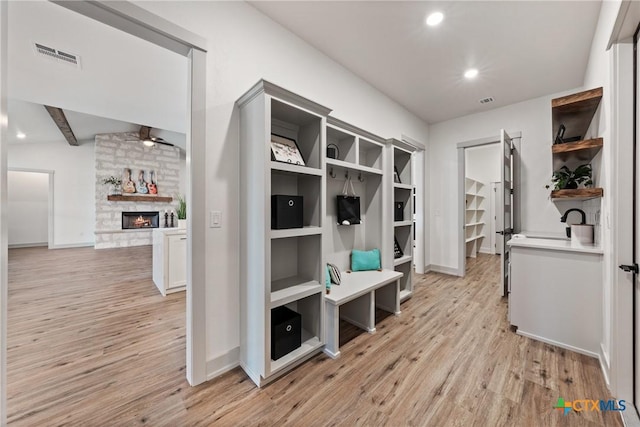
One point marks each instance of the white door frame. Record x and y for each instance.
(146, 25)
(462, 253)
(50, 215)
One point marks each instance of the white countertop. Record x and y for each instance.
(170, 230)
(554, 245)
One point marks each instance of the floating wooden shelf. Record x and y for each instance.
(578, 194)
(575, 112)
(583, 151)
(140, 198)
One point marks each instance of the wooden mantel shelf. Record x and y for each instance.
(140, 198)
(578, 194)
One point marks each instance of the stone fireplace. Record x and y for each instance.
(114, 153)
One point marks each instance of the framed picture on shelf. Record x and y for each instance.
(285, 150)
(396, 176)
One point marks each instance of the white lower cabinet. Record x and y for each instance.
(170, 259)
(556, 293)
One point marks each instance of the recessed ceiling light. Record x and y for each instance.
(434, 19)
(471, 73)
(21, 135)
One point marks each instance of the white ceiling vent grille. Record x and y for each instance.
(57, 55)
(486, 100)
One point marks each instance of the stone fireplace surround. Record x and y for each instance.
(117, 151)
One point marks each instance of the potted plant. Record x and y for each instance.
(566, 178)
(182, 211)
(116, 185)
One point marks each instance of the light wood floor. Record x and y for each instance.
(92, 343)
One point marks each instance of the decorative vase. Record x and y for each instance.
(182, 223)
(116, 190)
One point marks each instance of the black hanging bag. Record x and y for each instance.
(348, 206)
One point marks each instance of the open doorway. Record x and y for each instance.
(30, 200)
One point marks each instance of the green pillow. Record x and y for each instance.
(365, 260)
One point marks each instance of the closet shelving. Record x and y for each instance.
(403, 228)
(575, 112)
(361, 157)
(475, 205)
(280, 267)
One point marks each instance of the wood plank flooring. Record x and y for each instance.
(92, 343)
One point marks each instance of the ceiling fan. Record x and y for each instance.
(150, 141)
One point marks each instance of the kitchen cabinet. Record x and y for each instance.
(556, 293)
(170, 259)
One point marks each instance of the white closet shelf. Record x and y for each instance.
(402, 260)
(292, 289)
(402, 186)
(291, 168)
(353, 167)
(310, 343)
(309, 230)
(402, 223)
(471, 239)
(473, 224)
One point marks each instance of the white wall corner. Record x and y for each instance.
(223, 363)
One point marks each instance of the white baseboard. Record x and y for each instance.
(486, 251)
(559, 344)
(441, 269)
(223, 363)
(72, 245)
(28, 245)
(605, 366)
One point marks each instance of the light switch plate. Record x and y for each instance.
(215, 219)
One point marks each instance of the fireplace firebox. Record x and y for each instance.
(135, 220)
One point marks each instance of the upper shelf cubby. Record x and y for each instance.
(345, 143)
(575, 112)
(357, 149)
(301, 126)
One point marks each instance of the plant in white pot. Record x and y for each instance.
(182, 211)
(116, 185)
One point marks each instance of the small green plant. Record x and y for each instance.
(182, 207)
(112, 180)
(566, 178)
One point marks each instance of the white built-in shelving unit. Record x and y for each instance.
(403, 226)
(361, 157)
(280, 267)
(475, 215)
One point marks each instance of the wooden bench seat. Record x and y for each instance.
(355, 299)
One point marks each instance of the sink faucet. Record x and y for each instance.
(584, 216)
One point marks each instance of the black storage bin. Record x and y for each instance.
(286, 212)
(286, 331)
(398, 214)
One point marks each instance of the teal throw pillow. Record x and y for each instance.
(327, 279)
(365, 260)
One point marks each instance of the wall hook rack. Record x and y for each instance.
(360, 178)
(332, 174)
(346, 175)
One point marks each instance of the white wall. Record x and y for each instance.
(73, 194)
(243, 47)
(483, 164)
(538, 213)
(28, 208)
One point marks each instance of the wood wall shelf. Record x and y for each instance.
(583, 151)
(577, 194)
(575, 111)
(140, 198)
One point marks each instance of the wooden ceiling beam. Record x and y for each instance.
(61, 121)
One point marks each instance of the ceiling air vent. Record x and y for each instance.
(57, 55)
(486, 100)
